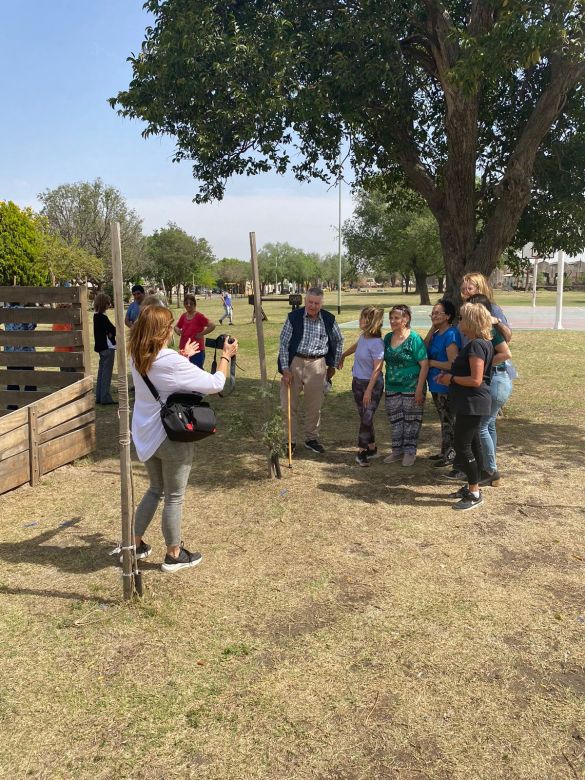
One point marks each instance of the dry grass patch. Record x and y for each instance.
(345, 623)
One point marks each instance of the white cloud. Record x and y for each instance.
(306, 221)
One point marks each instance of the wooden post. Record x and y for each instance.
(83, 301)
(124, 416)
(33, 445)
(260, 335)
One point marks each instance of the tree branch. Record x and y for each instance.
(515, 187)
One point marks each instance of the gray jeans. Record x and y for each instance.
(168, 470)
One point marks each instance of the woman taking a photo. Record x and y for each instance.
(443, 344)
(368, 383)
(193, 326)
(407, 366)
(469, 397)
(168, 463)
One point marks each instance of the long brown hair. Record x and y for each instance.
(149, 335)
(374, 317)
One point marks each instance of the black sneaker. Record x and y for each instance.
(468, 501)
(143, 550)
(489, 479)
(461, 493)
(314, 445)
(454, 474)
(371, 453)
(184, 560)
(436, 457)
(442, 462)
(362, 459)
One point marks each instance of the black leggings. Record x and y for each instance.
(468, 446)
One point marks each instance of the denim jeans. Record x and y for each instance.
(168, 470)
(500, 390)
(104, 377)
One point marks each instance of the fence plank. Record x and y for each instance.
(87, 345)
(65, 395)
(14, 472)
(21, 398)
(41, 315)
(40, 378)
(35, 474)
(41, 338)
(14, 442)
(66, 412)
(66, 448)
(66, 427)
(13, 420)
(42, 359)
(40, 294)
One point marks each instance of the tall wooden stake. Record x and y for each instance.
(260, 333)
(124, 415)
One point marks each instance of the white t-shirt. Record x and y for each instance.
(170, 373)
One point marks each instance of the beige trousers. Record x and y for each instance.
(308, 377)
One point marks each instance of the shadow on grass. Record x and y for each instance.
(73, 560)
(56, 594)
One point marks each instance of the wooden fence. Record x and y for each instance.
(55, 423)
(47, 434)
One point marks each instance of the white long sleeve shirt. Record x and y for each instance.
(170, 373)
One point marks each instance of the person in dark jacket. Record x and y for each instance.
(311, 346)
(104, 334)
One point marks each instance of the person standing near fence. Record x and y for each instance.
(14, 327)
(167, 463)
(368, 381)
(311, 346)
(104, 333)
(134, 309)
(193, 326)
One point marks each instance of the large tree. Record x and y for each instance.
(82, 213)
(21, 260)
(394, 232)
(432, 92)
(230, 271)
(179, 259)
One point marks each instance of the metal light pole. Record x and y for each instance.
(339, 244)
(560, 284)
(534, 278)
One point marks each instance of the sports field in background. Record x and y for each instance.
(345, 623)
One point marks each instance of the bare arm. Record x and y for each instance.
(348, 351)
(373, 379)
(501, 354)
(503, 329)
(419, 393)
(445, 365)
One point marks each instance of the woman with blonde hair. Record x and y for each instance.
(168, 463)
(368, 382)
(477, 284)
(469, 398)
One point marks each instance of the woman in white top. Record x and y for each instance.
(168, 463)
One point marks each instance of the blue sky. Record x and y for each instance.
(59, 63)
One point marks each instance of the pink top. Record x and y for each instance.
(190, 327)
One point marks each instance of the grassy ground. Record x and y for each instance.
(345, 623)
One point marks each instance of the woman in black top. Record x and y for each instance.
(104, 334)
(469, 397)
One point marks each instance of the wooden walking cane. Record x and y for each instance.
(289, 430)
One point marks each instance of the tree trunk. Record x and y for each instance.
(420, 277)
(441, 284)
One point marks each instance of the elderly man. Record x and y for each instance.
(311, 345)
(134, 308)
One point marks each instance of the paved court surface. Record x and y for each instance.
(519, 317)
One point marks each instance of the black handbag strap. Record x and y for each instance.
(152, 388)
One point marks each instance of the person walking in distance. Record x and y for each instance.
(311, 346)
(227, 307)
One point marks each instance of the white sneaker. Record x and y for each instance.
(393, 457)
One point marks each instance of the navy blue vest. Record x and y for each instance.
(297, 321)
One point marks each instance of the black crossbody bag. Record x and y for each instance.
(185, 416)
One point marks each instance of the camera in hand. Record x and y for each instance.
(218, 344)
(219, 341)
